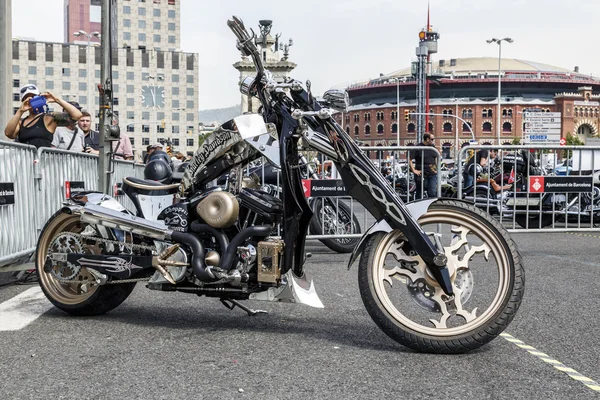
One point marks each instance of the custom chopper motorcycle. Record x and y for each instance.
(435, 275)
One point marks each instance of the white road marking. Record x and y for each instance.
(23, 309)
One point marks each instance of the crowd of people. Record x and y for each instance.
(70, 129)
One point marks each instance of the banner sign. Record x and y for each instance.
(561, 184)
(324, 188)
(7, 193)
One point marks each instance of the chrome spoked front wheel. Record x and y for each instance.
(405, 300)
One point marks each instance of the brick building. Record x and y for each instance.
(468, 88)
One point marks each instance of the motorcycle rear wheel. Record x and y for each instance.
(412, 308)
(83, 297)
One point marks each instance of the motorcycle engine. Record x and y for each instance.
(266, 208)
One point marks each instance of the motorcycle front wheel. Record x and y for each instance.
(71, 288)
(407, 303)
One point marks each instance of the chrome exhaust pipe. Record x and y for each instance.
(98, 215)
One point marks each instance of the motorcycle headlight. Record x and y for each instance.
(247, 86)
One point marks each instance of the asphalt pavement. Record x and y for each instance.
(179, 346)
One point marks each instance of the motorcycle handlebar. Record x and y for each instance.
(245, 42)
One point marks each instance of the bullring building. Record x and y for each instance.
(468, 88)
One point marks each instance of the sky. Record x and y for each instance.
(338, 42)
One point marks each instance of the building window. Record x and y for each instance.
(130, 102)
(367, 116)
(115, 101)
(49, 52)
(175, 61)
(356, 118)
(430, 127)
(130, 115)
(174, 129)
(142, 37)
(142, 11)
(49, 84)
(175, 78)
(156, 38)
(189, 91)
(82, 72)
(380, 129)
(15, 50)
(171, 26)
(175, 116)
(411, 128)
(393, 115)
(367, 130)
(145, 115)
(507, 127)
(130, 128)
(467, 113)
(145, 141)
(189, 117)
(189, 79)
(507, 112)
(160, 129)
(82, 54)
(32, 70)
(171, 14)
(486, 127)
(487, 113)
(126, 35)
(126, 23)
(466, 127)
(156, 12)
(447, 128)
(189, 142)
(145, 61)
(156, 25)
(49, 71)
(66, 86)
(126, 10)
(16, 83)
(130, 89)
(66, 53)
(190, 62)
(175, 91)
(394, 128)
(82, 86)
(129, 58)
(15, 69)
(130, 75)
(160, 59)
(145, 128)
(16, 97)
(171, 2)
(31, 53)
(142, 24)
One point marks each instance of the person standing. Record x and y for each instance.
(123, 149)
(38, 128)
(425, 168)
(92, 138)
(69, 137)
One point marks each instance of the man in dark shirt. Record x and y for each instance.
(425, 168)
(92, 139)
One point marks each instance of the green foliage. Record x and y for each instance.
(573, 140)
(516, 141)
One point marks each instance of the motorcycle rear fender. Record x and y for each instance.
(416, 208)
(99, 199)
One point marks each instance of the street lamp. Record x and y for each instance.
(397, 82)
(89, 85)
(499, 42)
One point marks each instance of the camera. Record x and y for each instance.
(38, 104)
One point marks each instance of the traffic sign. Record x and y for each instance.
(542, 127)
(563, 141)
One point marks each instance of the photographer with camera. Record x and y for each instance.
(38, 127)
(69, 137)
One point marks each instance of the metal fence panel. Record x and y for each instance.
(17, 227)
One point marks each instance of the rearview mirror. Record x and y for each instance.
(336, 99)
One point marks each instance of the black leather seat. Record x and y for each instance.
(148, 185)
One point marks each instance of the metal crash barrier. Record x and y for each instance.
(534, 188)
(34, 183)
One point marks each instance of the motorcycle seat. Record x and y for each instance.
(147, 184)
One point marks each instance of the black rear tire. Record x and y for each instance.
(343, 212)
(82, 298)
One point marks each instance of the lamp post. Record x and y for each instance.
(499, 42)
(397, 81)
(89, 72)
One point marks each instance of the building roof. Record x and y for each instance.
(486, 64)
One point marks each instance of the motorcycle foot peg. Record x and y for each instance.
(230, 304)
(165, 274)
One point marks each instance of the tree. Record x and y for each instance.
(572, 140)
(516, 141)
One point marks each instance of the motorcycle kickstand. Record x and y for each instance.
(230, 304)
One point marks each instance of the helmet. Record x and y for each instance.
(160, 155)
(158, 170)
